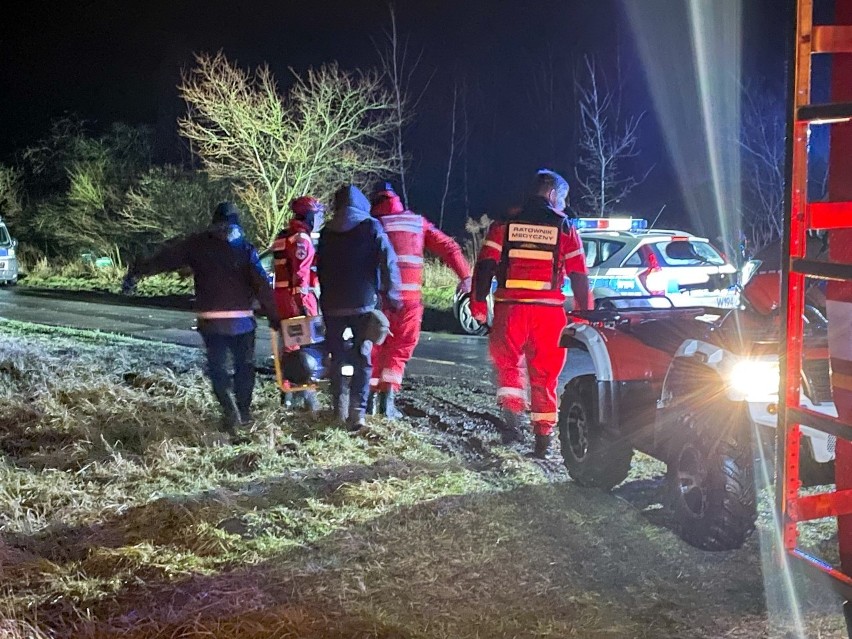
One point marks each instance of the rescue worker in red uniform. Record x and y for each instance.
(531, 255)
(410, 234)
(295, 276)
(293, 252)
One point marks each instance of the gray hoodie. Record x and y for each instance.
(355, 259)
(348, 216)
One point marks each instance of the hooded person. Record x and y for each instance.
(355, 265)
(531, 255)
(411, 236)
(228, 278)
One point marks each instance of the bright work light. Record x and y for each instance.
(755, 379)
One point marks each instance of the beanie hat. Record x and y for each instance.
(226, 213)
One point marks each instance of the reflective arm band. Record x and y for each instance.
(224, 314)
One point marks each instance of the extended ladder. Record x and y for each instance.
(803, 216)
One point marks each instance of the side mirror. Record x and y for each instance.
(14, 243)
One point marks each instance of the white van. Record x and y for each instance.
(8, 259)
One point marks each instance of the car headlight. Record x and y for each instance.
(11, 252)
(755, 379)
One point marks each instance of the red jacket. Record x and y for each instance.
(409, 235)
(295, 279)
(530, 255)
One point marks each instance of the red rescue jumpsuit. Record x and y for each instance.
(295, 280)
(534, 253)
(409, 235)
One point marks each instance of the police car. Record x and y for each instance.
(625, 257)
(8, 259)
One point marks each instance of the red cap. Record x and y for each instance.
(386, 202)
(304, 205)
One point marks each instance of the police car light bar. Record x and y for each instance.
(611, 224)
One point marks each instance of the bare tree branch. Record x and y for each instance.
(761, 141)
(331, 126)
(400, 73)
(607, 139)
(451, 155)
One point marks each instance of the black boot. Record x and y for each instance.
(230, 419)
(356, 421)
(542, 446)
(387, 405)
(513, 431)
(372, 404)
(246, 420)
(340, 406)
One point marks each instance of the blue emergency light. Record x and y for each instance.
(611, 224)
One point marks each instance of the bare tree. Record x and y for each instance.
(761, 139)
(10, 191)
(400, 71)
(608, 138)
(465, 152)
(452, 155)
(329, 127)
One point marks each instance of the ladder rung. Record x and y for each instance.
(830, 215)
(825, 113)
(823, 270)
(821, 422)
(831, 39)
(834, 504)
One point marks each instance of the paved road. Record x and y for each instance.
(436, 354)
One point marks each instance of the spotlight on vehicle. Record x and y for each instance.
(754, 380)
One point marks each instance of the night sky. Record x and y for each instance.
(120, 61)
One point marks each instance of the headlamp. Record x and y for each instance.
(755, 379)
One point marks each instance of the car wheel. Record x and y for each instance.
(594, 455)
(467, 322)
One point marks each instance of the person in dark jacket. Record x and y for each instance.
(228, 278)
(355, 262)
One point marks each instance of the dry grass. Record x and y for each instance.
(118, 517)
(81, 276)
(439, 284)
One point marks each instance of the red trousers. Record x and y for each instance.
(390, 358)
(528, 332)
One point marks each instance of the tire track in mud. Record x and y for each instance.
(471, 431)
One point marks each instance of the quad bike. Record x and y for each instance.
(696, 388)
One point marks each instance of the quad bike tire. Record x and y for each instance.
(595, 455)
(710, 481)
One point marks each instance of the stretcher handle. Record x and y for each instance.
(276, 358)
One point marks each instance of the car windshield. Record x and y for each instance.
(4, 236)
(703, 254)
